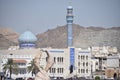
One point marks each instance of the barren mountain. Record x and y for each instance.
(82, 37)
(57, 38)
(8, 38)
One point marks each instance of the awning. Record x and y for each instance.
(19, 61)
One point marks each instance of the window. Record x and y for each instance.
(86, 63)
(54, 70)
(54, 59)
(83, 57)
(62, 70)
(86, 57)
(78, 70)
(96, 63)
(58, 70)
(58, 59)
(86, 70)
(62, 59)
(78, 56)
(83, 63)
(78, 63)
(83, 70)
(50, 70)
(46, 59)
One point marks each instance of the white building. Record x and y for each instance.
(63, 58)
(103, 51)
(83, 62)
(95, 65)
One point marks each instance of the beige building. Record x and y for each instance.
(113, 66)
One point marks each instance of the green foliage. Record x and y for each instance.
(32, 68)
(10, 65)
(97, 78)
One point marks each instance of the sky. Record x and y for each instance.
(40, 15)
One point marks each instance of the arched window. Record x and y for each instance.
(86, 70)
(58, 59)
(83, 70)
(62, 70)
(50, 70)
(78, 56)
(83, 63)
(62, 59)
(86, 57)
(78, 63)
(54, 59)
(86, 63)
(58, 70)
(78, 70)
(96, 63)
(54, 70)
(83, 57)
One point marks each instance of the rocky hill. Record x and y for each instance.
(8, 38)
(83, 37)
(57, 38)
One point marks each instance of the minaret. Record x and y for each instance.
(69, 19)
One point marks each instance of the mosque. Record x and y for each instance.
(68, 62)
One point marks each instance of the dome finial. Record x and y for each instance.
(69, 7)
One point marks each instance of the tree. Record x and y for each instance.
(9, 65)
(97, 78)
(32, 67)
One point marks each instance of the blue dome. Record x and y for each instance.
(27, 37)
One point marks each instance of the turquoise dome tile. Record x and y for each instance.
(27, 36)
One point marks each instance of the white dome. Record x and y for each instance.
(27, 36)
(69, 7)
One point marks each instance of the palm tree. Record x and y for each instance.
(32, 68)
(9, 65)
